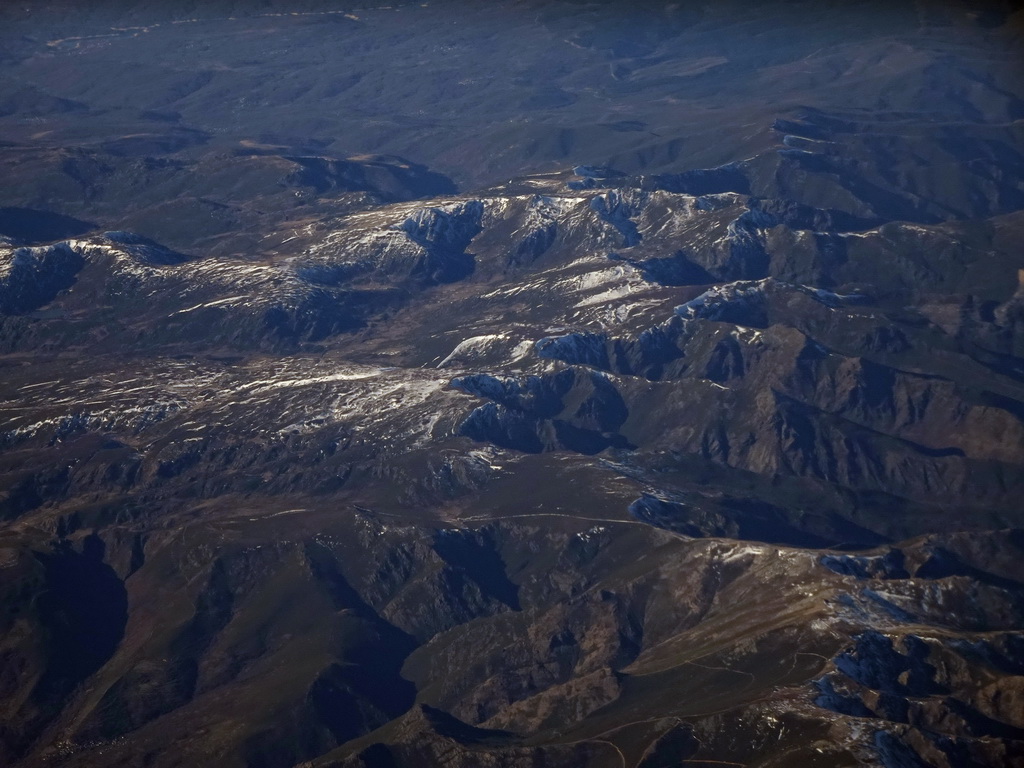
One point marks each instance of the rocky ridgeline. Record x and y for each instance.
(565, 472)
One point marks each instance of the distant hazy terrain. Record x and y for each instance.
(511, 384)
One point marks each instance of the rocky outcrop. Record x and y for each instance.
(31, 277)
(579, 412)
